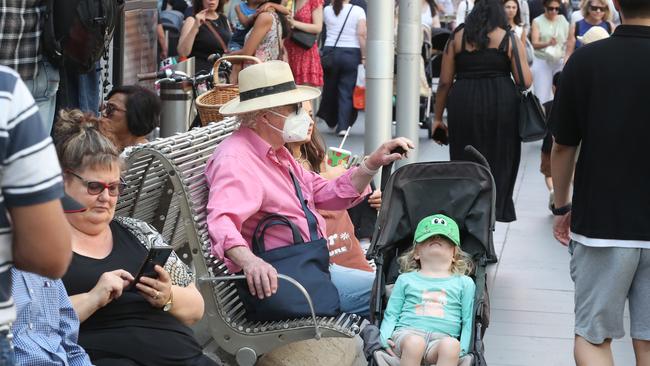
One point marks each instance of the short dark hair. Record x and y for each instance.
(635, 8)
(142, 108)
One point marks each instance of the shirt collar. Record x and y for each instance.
(263, 149)
(638, 31)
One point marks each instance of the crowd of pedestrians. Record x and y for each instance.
(79, 294)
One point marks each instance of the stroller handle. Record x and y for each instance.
(477, 156)
(387, 169)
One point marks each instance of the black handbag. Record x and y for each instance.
(532, 122)
(307, 263)
(303, 39)
(327, 53)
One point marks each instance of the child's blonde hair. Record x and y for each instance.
(461, 264)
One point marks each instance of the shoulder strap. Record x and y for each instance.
(343, 26)
(515, 56)
(311, 219)
(576, 30)
(216, 35)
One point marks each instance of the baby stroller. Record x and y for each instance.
(172, 22)
(434, 41)
(463, 190)
(432, 54)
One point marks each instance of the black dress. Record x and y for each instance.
(128, 331)
(482, 111)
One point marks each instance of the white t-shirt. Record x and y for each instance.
(349, 37)
(465, 6)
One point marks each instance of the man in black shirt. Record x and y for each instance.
(602, 104)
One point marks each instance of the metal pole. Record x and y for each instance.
(379, 74)
(409, 41)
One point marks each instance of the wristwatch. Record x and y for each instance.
(168, 305)
(560, 211)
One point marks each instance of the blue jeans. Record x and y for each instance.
(80, 91)
(7, 357)
(43, 88)
(355, 287)
(336, 103)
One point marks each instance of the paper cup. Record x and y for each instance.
(336, 156)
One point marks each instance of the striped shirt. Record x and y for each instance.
(29, 170)
(21, 23)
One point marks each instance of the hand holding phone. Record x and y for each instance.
(156, 256)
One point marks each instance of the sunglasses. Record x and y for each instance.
(597, 8)
(553, 8)
(109, 109)
(95, 188)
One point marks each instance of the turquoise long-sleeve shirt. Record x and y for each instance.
(441, 305)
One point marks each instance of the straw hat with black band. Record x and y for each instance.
(267, 85)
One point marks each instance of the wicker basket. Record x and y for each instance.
(208, 104)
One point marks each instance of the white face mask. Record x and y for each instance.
(296, 126)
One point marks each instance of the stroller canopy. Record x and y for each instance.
(462, 190)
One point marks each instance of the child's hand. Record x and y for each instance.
(389, 349)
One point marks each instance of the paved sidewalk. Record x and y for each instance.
(531, 292)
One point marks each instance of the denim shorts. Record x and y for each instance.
(7, 357)
(604, 278)
(431, 339)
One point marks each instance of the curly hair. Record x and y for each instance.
(461, 263)
(486, 16)
(80, 144)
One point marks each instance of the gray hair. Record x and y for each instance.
(80, 144)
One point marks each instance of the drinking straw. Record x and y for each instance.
(345, 137)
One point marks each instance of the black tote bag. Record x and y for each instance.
(307, 263)
(532, 122)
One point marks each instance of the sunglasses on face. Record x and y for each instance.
(597, 8)
(95, 188)
(553, 8)
(110, 108)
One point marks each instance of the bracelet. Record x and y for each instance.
(364, 168)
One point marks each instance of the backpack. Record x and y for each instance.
(77, 32)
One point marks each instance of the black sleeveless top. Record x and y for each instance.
(205, 43)
(485, 63)
(128, 327)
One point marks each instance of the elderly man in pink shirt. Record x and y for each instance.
(249, 176)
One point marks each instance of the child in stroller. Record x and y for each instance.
(432, 302)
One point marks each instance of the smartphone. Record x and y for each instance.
(156, 255)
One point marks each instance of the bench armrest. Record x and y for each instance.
(317, 334)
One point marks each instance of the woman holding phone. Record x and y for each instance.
(145, 326)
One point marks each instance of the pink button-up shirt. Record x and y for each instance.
(248, 180)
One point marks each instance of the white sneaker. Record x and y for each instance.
(340, 133)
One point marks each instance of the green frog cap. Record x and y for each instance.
(437, 225)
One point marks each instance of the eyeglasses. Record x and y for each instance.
(110, 108)
(95, 187)
(597, 8)
(553, 8)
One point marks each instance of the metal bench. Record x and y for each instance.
(167, 188)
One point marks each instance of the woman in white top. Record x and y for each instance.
(429, 15)
(464, 8)
(513, 14)
(346, 41)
